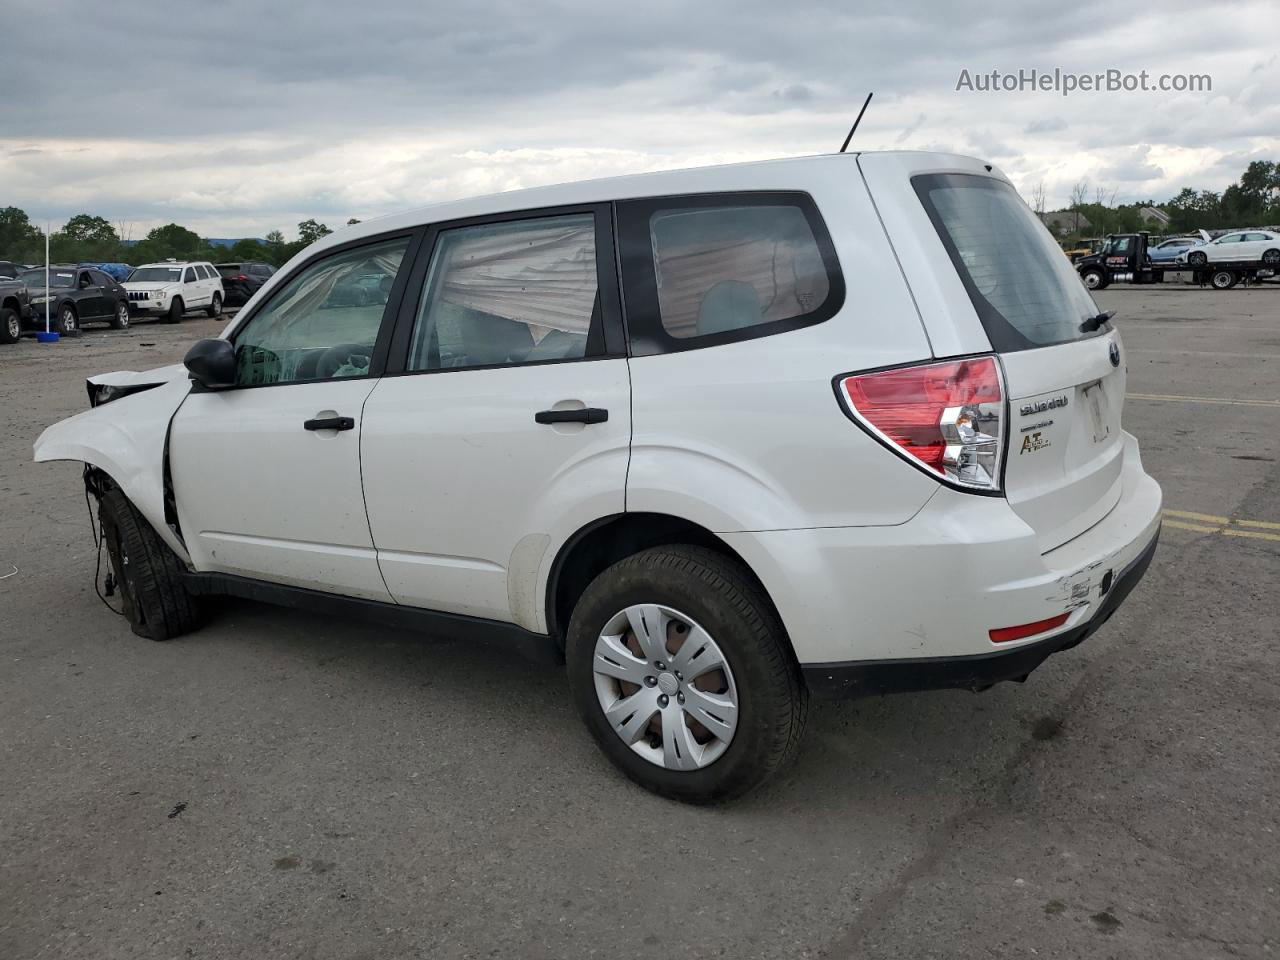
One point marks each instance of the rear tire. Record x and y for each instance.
(10, 325)
(1271, 258)
(723, 599)
(121, 319)
(176, 310)
(215, 306)
(149, 574)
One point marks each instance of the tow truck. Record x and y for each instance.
(1124, 259)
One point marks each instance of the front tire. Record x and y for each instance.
(176, 309)
(10, 325)
(215, 306)
(1197, 259)
(68, 324)
(699, 725)
(149, 574)
(121, 319)
(1094, 279)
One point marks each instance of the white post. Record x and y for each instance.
(47, 226)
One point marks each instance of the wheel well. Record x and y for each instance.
(9, 303)
(601, 544)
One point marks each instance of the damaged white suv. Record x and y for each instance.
(720, 439)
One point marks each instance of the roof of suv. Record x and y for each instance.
(174, 263)
(781, 174)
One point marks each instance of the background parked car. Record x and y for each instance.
(15, 306)
(242, 280)
(1239, 245)
(75, 296)
(9, 270)
(171, 288)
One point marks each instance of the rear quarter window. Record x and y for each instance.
(709, 269)
(1024, 290)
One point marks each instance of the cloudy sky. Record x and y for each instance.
(239, 116)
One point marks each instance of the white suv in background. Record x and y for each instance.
(172, 288)
(719, 439)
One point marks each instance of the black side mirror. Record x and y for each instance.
(212, 364)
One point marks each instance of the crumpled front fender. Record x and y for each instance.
(126, 440)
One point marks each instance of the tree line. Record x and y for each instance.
(88, 238)
(1252, 201)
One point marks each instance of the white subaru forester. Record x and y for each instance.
(718, 438)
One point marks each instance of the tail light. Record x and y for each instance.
(947, 418)
(241, 277)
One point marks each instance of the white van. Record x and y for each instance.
(719, 439)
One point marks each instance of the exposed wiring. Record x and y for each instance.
(99, 535)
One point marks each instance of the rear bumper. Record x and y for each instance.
(863, 678)
(930, 590)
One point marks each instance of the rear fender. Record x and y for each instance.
(125, 439)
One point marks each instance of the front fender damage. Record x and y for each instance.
(125, 439)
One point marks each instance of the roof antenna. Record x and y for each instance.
(845, 146)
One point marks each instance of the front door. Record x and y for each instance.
(509, 425)
(266, 475)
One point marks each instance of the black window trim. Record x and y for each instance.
(378, 362)
(609, 343)
(1002, 334)
(646, 334)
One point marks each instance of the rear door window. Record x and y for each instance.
(711, 269)
(1024, 290)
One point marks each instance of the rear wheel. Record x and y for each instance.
(149, 574)
(1271, 258)
(215, 305)
(10, 325)
(1224, 279)
(682, 672)
(176, 310)
(120, 320)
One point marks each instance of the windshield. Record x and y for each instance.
(1025, 291)
(57, 278)
(156, 275)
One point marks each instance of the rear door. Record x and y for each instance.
(988, 277)
(504, 422)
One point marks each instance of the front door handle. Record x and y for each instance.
(585, 415)
(330, 423)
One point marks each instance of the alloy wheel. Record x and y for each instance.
(68, 320)
(15, 327)
(122, 315)
(665, 687)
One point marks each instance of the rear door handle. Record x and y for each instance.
(330, 423)
(586, 415)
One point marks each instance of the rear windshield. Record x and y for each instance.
(1025, 291)
(229, 269)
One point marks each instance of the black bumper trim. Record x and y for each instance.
(865, 678)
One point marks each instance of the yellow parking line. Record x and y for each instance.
(1197, 528)
(1210, 523)
(1258, 534)
(1178, 399)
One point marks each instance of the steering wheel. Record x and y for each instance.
(344, 354)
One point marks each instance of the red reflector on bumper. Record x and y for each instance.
(1005, 634)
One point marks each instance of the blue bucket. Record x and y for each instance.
(51, 337)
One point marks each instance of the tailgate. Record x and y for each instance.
(988, 277)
